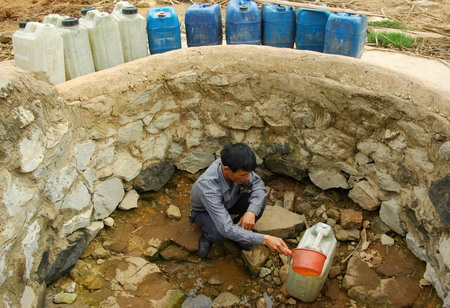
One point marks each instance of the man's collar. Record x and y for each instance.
(222, 181)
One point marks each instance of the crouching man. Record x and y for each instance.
(228, 199)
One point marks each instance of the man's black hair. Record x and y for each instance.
(238, 156)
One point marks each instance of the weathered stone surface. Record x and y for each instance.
(93, 229)
(366, 195)
(288, 200)
(414, 245)
(362, 282)
(326, 179)
(126, 166)
(83, 154)
(129, 201)
(133, 272)
(280, 222)
(154, 177)
(439, 195)
(330, 143)
(445, 149)
(444, 251)
(59, 183)
(23, 116)
(174, 252)
(346, 234)
(256, 258)
(131, 132)
(155, 147)
(31, 152)
(107, 196)
(286, 166)
(351, 219)
(225, 299)
(78, 221)
(389, 213)
(378, 226)
(387, 240)
(64, 261)
(64, 298)
(173, 212)
(245, 120)
(400, 291)
(77, 199)
(199, 301)
(195, 162)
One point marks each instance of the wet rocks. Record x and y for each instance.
(351, 219)
(199, 301)
(64, 298)
(154, 177)
(173, 212)
(174, 252)
(387, 240)
(256, 258)
(225, 299)
(133, 270)
(346, 234)
(129, 201)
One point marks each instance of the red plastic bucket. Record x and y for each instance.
(307, 262)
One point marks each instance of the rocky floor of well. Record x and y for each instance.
(146, 258)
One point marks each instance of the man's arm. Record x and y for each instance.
(212, 202)
(257, 195)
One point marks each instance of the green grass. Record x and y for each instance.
(392, 40)
(387, 24)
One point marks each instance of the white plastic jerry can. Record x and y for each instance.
(40, 47)
(318, 239)
(54, 19)
(132, 28)
(105, 39)
(77, 49)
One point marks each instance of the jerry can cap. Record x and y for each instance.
(281, 8)
(86, 9)
(22, 24)
(130, 10)
(161, 14)
(243, 8)
(69, 22)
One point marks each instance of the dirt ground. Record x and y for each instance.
(224, 269)
(431, 17)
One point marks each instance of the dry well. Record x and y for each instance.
(68, 154)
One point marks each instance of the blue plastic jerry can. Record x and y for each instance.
(311, 25)
(203, 25)
(243, 23)
(345, 34)
(163, 30)
(278, 25)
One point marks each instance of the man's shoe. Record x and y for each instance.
(246, 247)
(204, 246)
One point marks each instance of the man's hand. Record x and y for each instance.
(247, 221)
(276, 244)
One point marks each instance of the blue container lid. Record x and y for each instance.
(166, 15)
(247, 10)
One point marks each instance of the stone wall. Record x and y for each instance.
(69, 154)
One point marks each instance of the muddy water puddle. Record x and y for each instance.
(137, 232)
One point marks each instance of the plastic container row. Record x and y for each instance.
(66, 47)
